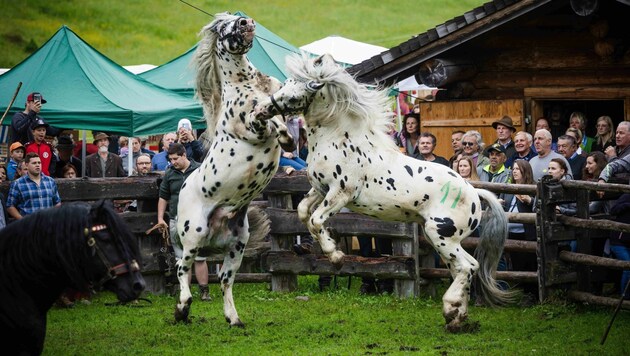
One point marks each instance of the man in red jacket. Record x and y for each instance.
(41, 147)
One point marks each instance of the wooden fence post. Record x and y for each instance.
(406, 288)
(282, 282)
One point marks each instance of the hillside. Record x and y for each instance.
(155, 31)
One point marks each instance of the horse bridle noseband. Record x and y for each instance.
(112, 271)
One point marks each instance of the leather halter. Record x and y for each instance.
(112, 271)
(275, 105)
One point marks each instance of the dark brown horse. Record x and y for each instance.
(74, 245)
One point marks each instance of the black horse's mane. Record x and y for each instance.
(41, 245)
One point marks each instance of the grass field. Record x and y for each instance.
(155, 31)
(338, 322)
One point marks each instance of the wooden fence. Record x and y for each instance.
(412, 262)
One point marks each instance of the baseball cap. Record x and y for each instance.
(184, 123)
(15, 146)
(39, 123)
(497, 147)
(31, 95)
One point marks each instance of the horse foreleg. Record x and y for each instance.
(238, 228)
(462, 266)
(284, 137)
(331, 204)
(305, 207)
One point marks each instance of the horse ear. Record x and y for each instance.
(319, 60)
(98, 206)
(314, 86)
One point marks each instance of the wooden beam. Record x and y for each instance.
(577, 92)
(590, 260)
(593, 299)
(514, 276)
(286, 222)
(286, 262)
(244, 278)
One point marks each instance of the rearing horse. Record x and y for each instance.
(353, 162)
(243, 156)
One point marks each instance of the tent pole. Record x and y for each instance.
(83, 152)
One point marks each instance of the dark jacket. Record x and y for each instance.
(113, 166)
(577, 165)
(621, 210)
(21, 127)
(194, 150)
(530, 229)
(172, 184)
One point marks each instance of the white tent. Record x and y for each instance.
(344, 50)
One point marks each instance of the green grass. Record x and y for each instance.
(339, 322)
(155, 31)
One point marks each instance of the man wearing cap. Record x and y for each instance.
(495, 172)
(33, 191)
(103, 163)
(43, 149)
(504, 129)
(22, 121)
(194, 148)
(17, 155)
(65, 147)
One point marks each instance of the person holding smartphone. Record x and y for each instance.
(185, 136)
(22, 121)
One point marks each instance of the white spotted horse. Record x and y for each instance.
(243, 156)
(353, 163)
(73, 246)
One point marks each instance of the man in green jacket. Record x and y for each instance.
(174, 177)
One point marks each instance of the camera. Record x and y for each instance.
(37, 97)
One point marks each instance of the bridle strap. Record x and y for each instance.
(275, 105)
(112, 271)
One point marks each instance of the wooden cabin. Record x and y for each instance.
(522, 58)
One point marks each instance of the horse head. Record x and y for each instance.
(115, 254)
(235, 34)
(294, 97)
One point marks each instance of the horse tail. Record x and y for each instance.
(494, 232)
(259, 228)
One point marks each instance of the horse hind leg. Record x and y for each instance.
(192, 231)
(462, 267)
(238, 229)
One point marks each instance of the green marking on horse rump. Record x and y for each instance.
(447, 187)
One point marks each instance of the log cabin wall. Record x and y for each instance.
(548, 59)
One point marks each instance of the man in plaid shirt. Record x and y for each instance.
(33, 191)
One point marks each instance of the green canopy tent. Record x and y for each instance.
(267, 54)
(86, 90)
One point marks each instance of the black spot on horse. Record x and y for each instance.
(391, 182)
(409, 170)
(429, 179)
(473, 208)
(452, 174)
(419, 170)
(249, 158)
(198, 229)
(446, 226)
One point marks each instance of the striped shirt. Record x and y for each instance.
(28, 197)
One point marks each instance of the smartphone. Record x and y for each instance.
(37, 97)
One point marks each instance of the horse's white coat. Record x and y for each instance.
(242, 159)
(352, 162)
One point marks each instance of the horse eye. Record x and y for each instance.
(242, 22)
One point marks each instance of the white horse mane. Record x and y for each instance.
(208, 85)
(347, 101)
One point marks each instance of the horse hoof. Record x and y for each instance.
(238, 324)
(182, 315)
(336, 258)
(462, 327)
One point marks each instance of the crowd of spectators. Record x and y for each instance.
(38, 151)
